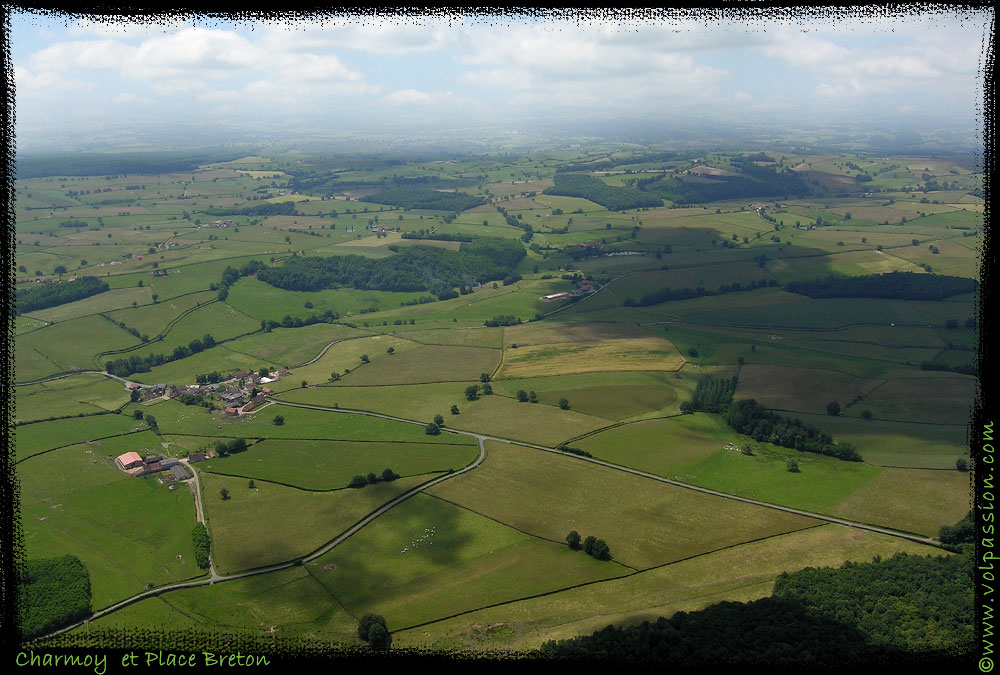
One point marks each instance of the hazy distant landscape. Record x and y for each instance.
(477, 382)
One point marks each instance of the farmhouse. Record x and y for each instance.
(555, 296)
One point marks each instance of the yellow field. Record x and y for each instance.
(562, 358)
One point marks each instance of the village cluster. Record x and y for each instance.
(238, 394)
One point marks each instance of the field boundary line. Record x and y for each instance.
(304, 489)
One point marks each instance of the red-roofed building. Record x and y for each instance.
(129, 460)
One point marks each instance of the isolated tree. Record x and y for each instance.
(454, 410)
(533, 397)
(961, 465)
(792, 466)
(390, 350)
(693, 353)
(134, 397)
(833, 408)
(389, 475)
(366, 623)
(484, 377)
(357, 482)
(522, 395)
(472, 392)
(573, 539)
(334, 376)
(564, 404)
(252, 485)
(278, 420)
(225, 494)
(486, 389)
(379, 637)
(588, 545)
(432, 429)
(439, 420)
(365, 359)
(151, 421)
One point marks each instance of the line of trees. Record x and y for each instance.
(202, 545)
(669, 295)
(43, 295)
(895, 285)
(126, 366)
(224, 449)
(752, 419)
(592, 546)
(360, 481)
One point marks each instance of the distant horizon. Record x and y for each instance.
(77, 78)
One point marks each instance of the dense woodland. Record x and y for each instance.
(44, 295)
(753, 181)
(414, 268)
(896, 285)
(596, 190)
(822, 618)
(712, 394)
(752, 419)
(53, 593)
(426, 198)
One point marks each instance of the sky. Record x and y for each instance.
(365, 73)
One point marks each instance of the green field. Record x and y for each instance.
(427, 559)
(330, 465)
(645, 523)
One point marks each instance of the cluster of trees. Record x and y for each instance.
(413, 268)
(711, 395)
(202, 545)
(53, 592)
(753, 181)
(223, 449)
(40, 296)
(508, 320)
(426, 198)
(373, 630)
(596, 190)
(891, 611)
(473, 391)
(752, 419)
(896, 285)
(592, 546)
(360, 481)
(962, 532)
(668, 294)
(143, 364)
(573, 451)
(128, 329)
(73, 223)
(328, 316)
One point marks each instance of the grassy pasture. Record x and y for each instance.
(72, 344)
(902, 444)
(346, 355)
(936, 400)
(288, 603)
(533, 422)
(292, 346)
(24, 324)
(665, 447)
(426, 559)
(273, 523)
(644, 522)
(462, 337)
(612, 396)
(29, 363)
(330, 465)
(32, 439)
(69, 396)
(813, 313)
(425, 364)
(800, 389)
(708, 276)
(646, 353)
(413, 401)
(742, 573)
(102, 302)
(216, 319)
(174, 417)
(152, 319)
(554, 330)
(913, 500)
(123, 548)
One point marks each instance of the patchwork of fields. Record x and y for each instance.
(348, 396)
